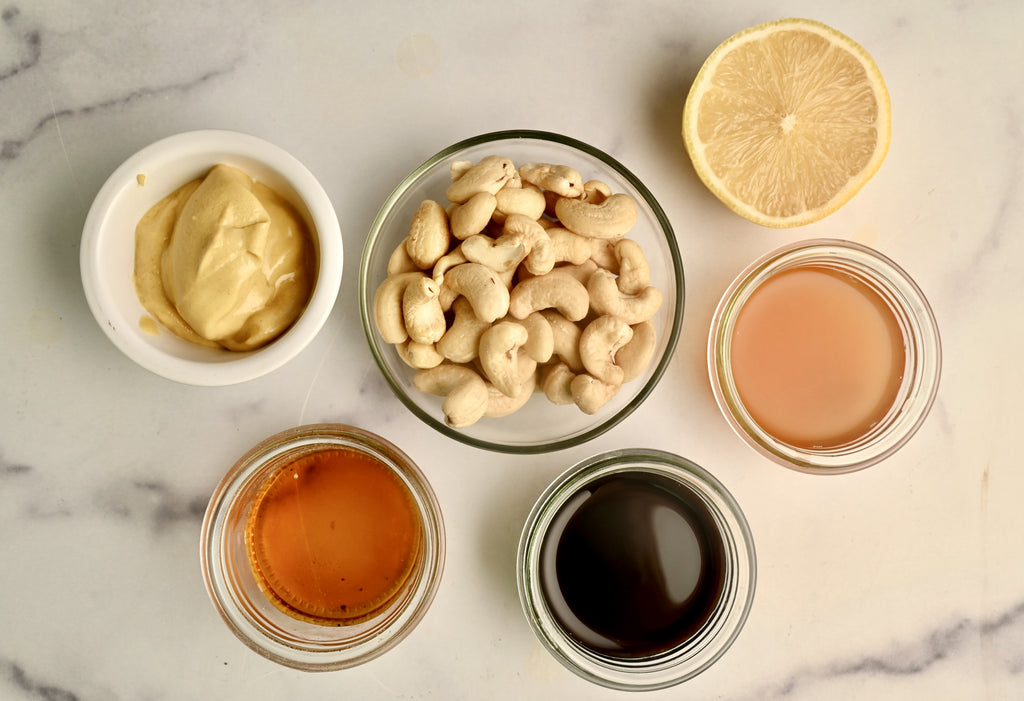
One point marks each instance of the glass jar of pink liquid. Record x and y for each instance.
(824, 356)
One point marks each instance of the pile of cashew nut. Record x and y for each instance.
(526, 282)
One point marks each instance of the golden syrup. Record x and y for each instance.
(333, 537)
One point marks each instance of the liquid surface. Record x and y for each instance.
(817, 357)
(633, 565)
(333, 537)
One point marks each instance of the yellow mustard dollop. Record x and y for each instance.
(224, 261)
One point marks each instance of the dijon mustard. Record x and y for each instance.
(224, 261)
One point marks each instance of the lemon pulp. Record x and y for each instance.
(786, 121)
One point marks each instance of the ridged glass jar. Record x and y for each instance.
(734, 584)
(233, 586)
(922, 357)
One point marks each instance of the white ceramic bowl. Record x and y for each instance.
(108, 250)
(539, 426)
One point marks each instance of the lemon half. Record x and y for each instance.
(786, 121)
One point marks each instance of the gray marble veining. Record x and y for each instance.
(902, 582)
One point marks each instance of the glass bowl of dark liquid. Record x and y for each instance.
(636, 569)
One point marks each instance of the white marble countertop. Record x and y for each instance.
(904, 581)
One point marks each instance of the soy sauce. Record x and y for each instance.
(633, 565)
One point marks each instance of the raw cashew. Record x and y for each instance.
(482, 286)
(550, 199)
(500, 404)
(596, 192)
(540, 339)
(540, 256)
(602, 252)
(472, 216)
(501, 255)
(446, 263)
(526, 283)
(560, 179)
(428, 234)
(421, 310)
(568, 247)
(581, 272)
(606, 298)
(400, 262)
(635, 356)
(600, 341)
(508, 278)
(464, 392)
(499, 356)
(461, 341)
(419, 355)
(556, 290)
(387, 306)
(488, 175)
(565, 337)
(527, 200)
(634, 273)
(557, 383)
(458, 168)
(611, 218)
(590, 394)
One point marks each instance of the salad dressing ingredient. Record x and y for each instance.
(786, 121)
(224, 261)
(817, 356)
(333, 537)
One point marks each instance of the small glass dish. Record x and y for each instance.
(237, 593)
(539, 426)
(915, 371)
(706, 582)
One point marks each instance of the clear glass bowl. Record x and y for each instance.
(540, 426)
(922, 359)
(727, 615)
(234, 589)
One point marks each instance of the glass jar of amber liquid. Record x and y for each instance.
(323, 547)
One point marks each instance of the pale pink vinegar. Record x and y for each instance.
(817, 356)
